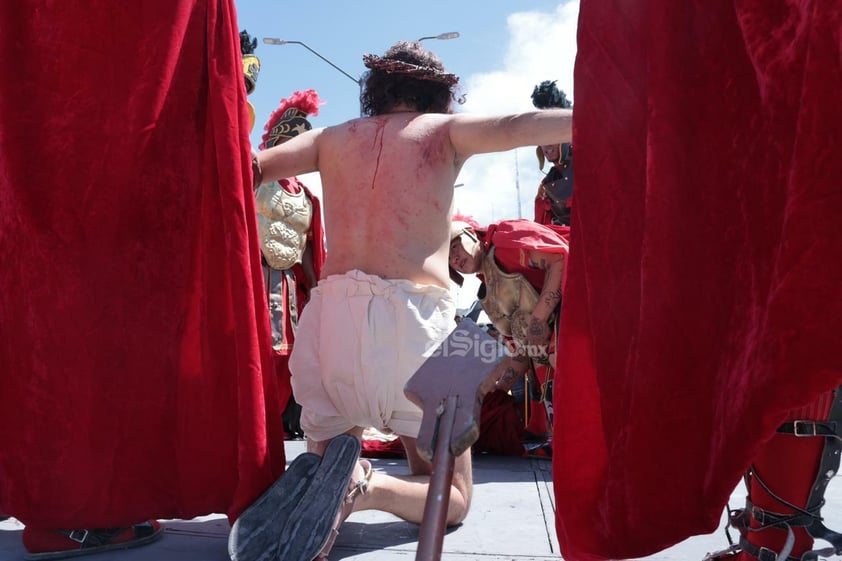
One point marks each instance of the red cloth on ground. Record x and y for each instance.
(501, 431)
(133, 336)
(702, 298)
(372, 448)
(501, 428)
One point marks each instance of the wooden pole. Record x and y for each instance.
(434, 521)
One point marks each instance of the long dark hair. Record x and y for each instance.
(387, 88)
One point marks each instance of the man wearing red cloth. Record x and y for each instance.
(521, 264)
(289, 221)
(133, 340)
(555, 192)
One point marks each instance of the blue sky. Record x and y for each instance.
(505, 48)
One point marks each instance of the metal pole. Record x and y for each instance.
(357, 81)
(441, 36)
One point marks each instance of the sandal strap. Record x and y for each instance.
(360, 486)
(91, 538)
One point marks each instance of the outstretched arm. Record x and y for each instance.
(474, 134)
(294, 157)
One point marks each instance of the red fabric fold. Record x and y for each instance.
(501, 429)
(133, 332)
(514, 239)
(526, 234)
(702, 297)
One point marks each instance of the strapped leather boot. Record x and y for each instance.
(786, 486)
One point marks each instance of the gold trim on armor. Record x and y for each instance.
(283, 222)
(505, 294)
(509, 301)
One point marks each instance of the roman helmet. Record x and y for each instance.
(457, 228)
(290, 118)
(546, 95)
(251, 68)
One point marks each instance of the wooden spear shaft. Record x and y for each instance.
(434, 521)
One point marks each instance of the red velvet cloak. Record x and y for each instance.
(134, 342)
(702, 300)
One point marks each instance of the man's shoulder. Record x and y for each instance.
(375, 124)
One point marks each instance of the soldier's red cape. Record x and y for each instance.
(134, 345)
(702, 299)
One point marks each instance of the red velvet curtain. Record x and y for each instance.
(134, 349)
(703, 294)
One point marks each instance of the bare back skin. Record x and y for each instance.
(387, 179)
(388, 183)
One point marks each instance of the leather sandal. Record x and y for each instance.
(357, 486)
(254, 535)
(310, 524)
(61, 544)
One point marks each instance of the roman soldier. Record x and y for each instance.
(555, 193)
(521, 264)
(292, 243)
(251, 69)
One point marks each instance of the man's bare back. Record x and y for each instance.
(388, 182)
(388, 192)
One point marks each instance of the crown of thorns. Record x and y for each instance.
(392, 66)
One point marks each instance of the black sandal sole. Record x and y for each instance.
(312, 521)
(254, 535)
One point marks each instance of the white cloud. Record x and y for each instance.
(542, 46)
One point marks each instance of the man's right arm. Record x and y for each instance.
(473, 134)
(293, 157)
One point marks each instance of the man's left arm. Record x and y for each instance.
(548, 300)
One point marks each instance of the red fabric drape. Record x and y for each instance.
(702, 299)
(501, 431)
(514, 239)
(317, 234)
(134, 341)
(500, 427)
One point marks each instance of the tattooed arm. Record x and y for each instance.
(510, 370)
(553, 265)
